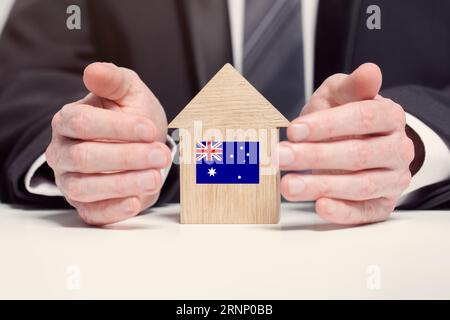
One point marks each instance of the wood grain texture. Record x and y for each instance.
(229, 101)
(229, 108)
(228, 203)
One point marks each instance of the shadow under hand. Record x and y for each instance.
(70, 219)
(172, 217)
(327, 226)
(318, 227)
(166, 212)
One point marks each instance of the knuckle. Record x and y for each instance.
(367, 115)
(385, 213)
(389, 206)
(326, 125)
(133, 74)
(130, 73)
(77, 155)
(360, 153)
(397, 114)
(65, 110)
(315, 155)
(158, 179)
(132, 207)
(58, 182)
(47, 152)
(384, 209)
(83, 212)
(331, 80)
(77, 124)
(153, 188)
(73, 203)
(369, 212)
(129, 159)
(406, 150)
(285, 187)
(323, 188)
(49, 156)
(346, 215)
(118, 126)
(121, 186)
(154, 198)
(368, 187)
(73, 187)
(405, 179)
(323, 208)
(55, 120)
(86, 215)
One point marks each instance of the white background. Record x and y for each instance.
(52, 254)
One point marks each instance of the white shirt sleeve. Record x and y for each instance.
(40, 185)
(36, 184)
(436, 165)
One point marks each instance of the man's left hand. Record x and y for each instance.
(354, 142)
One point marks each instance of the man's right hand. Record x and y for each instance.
(107, 149)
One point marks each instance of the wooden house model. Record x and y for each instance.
(229, 135)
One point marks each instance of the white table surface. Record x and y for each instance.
(52, 254)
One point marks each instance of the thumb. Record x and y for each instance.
(106, 80)
(363, 83)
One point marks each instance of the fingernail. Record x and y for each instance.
(147, 181)
(286, 156)
(298, 131)
(157, 158)
(296, 186)
(143, 132)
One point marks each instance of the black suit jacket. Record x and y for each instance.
(177, 45)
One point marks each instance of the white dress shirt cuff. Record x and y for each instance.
(436, 166)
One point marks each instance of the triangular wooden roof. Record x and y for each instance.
(228, 100)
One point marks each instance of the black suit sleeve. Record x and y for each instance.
(41, 67)
(41, 63)
(431, 106)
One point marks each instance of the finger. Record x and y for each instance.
(96, 187)
(392, 151)
(354, 118)
(353, 212)
(89, 123)
(108, 81)
(108, 211)
(360, 186)
(97, 157)
(363, 83)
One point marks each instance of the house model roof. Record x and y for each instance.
(229, 100)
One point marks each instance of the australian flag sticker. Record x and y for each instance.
(227, 162)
